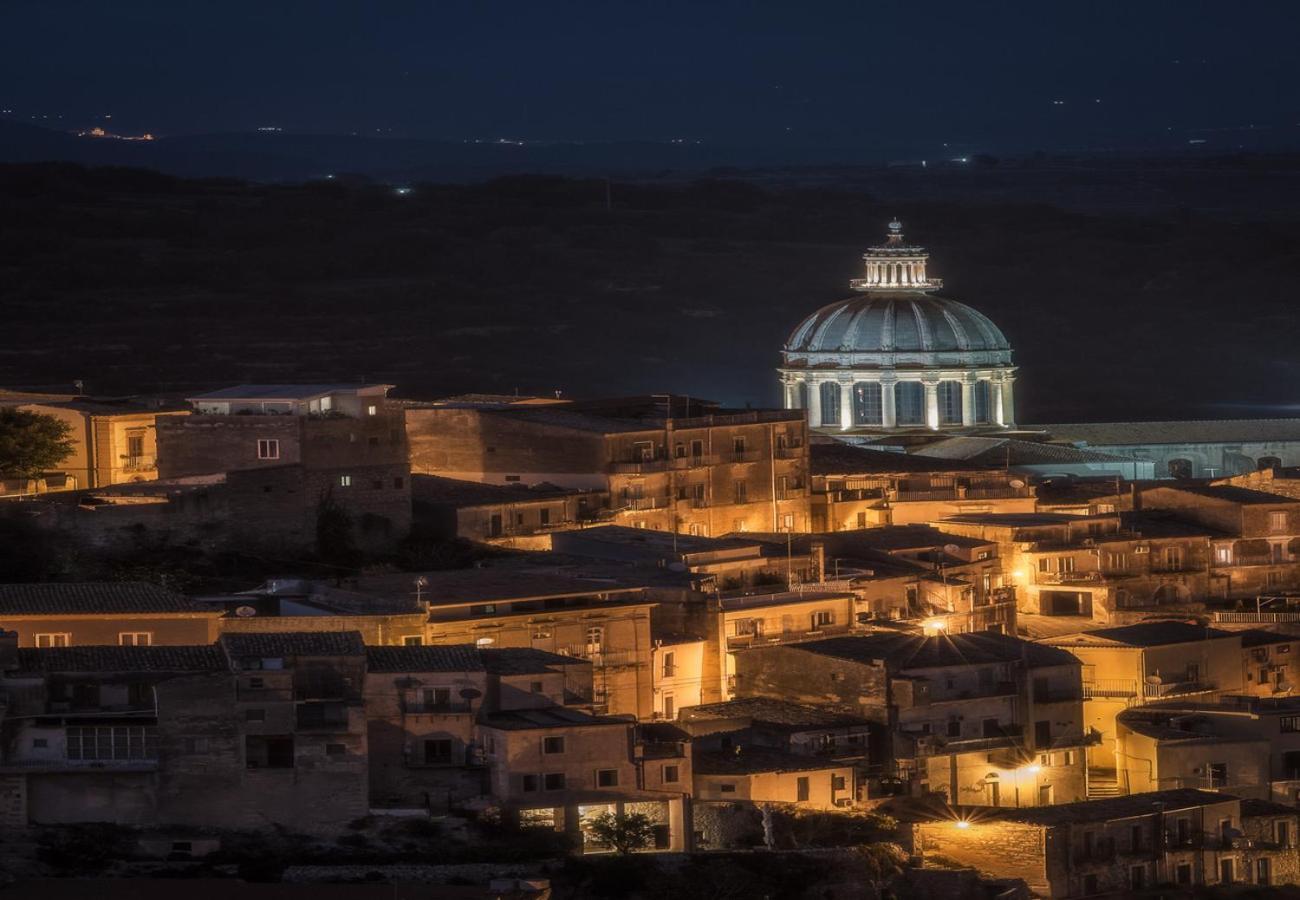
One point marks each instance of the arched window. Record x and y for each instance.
(1180, 468)
(909, 403)
(950, 403)
(830, 403)
(866, 403)
(801, 395)
(982, 402)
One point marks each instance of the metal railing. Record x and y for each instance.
(1256, 618)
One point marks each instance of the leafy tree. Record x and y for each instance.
(625, 833)
(31, 442)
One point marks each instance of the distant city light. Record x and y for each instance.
(401, 191)
(963, 823)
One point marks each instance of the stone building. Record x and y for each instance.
(519, 516)
(1163, 749)
(114, 441)
(1186, 838)
(858, 487)
(669, 463)
(897, 356)
(288, 451)
(127, 613)
(1108, 568)
(983, 718)
(1199, 449)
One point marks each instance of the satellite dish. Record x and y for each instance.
(1154, 679)
(245, 611)
(1016, 483)
(951, 549)
(470, 694)
(1283, 686)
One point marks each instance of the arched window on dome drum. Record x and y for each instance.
(982, 402)
(950, 403)
(909, 403)
(867, 408)
(830, 404)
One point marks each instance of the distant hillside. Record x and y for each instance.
(132, 279)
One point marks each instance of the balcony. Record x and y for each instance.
(644, 503)
(638, 466)
(450, 708)
(1127, 688)
(695, 461)
(694, 502)
(139, 463)
(797, 452)
(743, 456)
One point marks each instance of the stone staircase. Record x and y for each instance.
(1103, 783)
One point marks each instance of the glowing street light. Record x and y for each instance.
(963, 823)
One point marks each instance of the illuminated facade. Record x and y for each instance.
(897, 357)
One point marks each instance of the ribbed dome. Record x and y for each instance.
(880, 322)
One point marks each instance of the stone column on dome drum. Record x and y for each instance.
(967, 401)
(995, 390)
(888, 414)
(814, 403)
(846, 405)
(1008, 401)
(932, 404)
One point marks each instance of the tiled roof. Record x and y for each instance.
(1260, 637)
(488, 585)
(1228, 492)
(1207, 431)
(115, 659)
(524, 660)
(1011, 452)
(438, 658)
(912, 651)
(548, 717)
(241, 645)
(752, 760)
(772, 713)
(1112, 808)
(90, 598)
(1253, 807)
(832, 457)
(1144, 634)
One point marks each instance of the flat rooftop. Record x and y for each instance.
(286, 391)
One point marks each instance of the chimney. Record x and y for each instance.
(817, 561)
(8, 651)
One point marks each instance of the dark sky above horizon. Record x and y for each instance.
(979, 75)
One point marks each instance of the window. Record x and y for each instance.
(1044, 564)
(1289, 724)
(862, 520)
(1068, 758)
(607, 778)
(1223, 554)
(740, 492)
(954, 727)
(830, 397)
(1277, 522)
(801, 789)
(553, 781)
(1218, 774)
(1065, 564)
(672, 774)
(1173, 558)
(553, 745)
(92, 742)
(1263, 871)
(483, 609)
(135, 638)
(437, 751)
(268, 448)
(536, 687)
(372, 410)
(670, 706)
(909, 403)
(345, 481)
(867, 407)
(749, 627)
(981, 402)
(528, 783)
(544, 516)
(40, 743)
(254, 715)
(823, 618)
(62, 639)
(436, 698)
(1283, 832)
(949, 395)
(262, 752)
(1227, 871)
(1183, 874)
(412, 640)
(670, 664)
(1117, 562)
(595, 639)
(335, 749)
(1137, 877)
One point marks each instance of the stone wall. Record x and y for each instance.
(1001, 849)
(786, 673)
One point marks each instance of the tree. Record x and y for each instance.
(625, 833)
(31, 443)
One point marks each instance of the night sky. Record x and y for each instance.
(976, 75)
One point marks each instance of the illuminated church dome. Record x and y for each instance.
(897, 356)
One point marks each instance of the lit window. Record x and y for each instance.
(53, 640)
(135, 638)
(372, 410)
(1223, 554)
(412, 640)
(268, 449)
(1277, 522)
(345, 481)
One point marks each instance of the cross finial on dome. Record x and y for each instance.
(896, 227)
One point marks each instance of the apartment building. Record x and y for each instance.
(128, 613)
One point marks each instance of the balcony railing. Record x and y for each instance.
(139, 463)
(630, 466)
(642, 503)
(1120, 688)
(791, 452)
(742, 456)
(695, 461)
(1256, 618)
